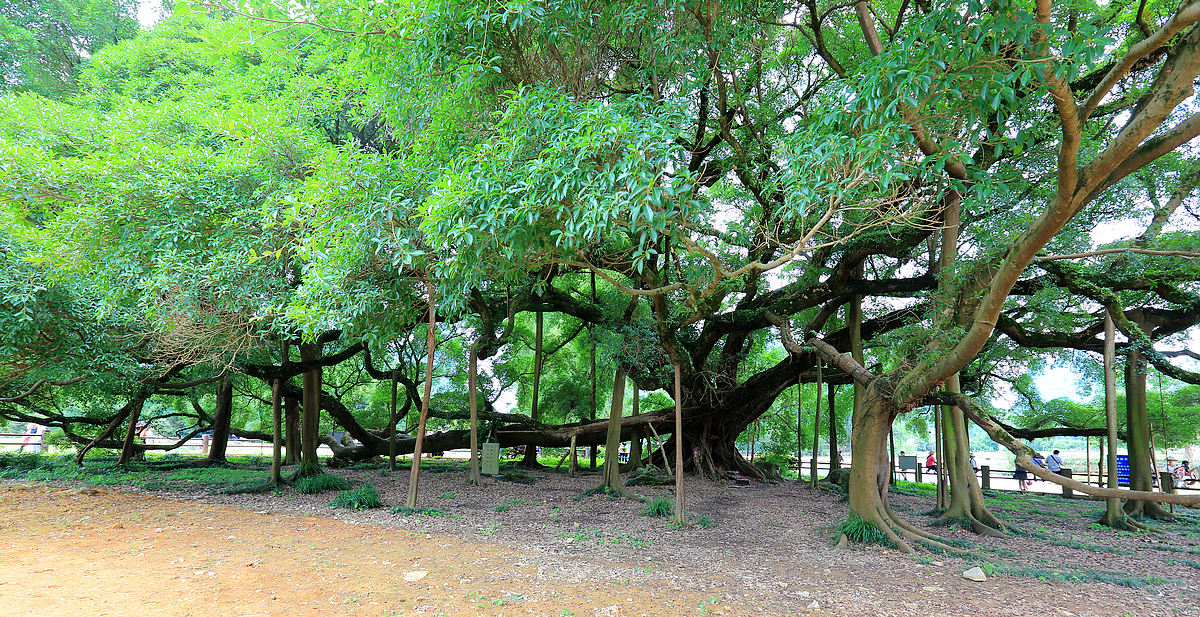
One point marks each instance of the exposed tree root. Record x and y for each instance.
(1142, 509)
(985, 517)
(969, 521)
(904, 536)
(1122, 522)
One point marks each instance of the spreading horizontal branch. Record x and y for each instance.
(1121, 250)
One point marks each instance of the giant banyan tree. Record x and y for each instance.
(719, 199)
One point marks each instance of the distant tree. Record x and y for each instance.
(45, 43)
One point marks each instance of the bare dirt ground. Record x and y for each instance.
(549, 551)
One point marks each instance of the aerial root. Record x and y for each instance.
(985, 517)
(985, 530)
(977, 525)
(1121, 522)
(917, 536)
(905, 525)
(891, 529)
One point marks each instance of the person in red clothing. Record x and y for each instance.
(931, 462)
(33, 433)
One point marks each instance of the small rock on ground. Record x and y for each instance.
(975, 574)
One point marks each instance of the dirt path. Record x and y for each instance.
(101, 552)
(544, 550)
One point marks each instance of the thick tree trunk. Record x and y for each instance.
(127, 447)
(966, 498)
(868, 497)
(869, 468)
(891, 455)
(291, 426)
(530, 459)
(1137, 427)
(310, 415)
(221, 419)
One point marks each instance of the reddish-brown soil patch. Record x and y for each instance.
(103, 552)
(550, 551)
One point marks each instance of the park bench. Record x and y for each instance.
(16, 440)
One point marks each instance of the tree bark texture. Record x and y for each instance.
(291, 425)
(530, 459)
(277, 431)
(1137, 432)
(127, 446)
(221, 419)
(610, 478)
(472, 393)
(310, 416)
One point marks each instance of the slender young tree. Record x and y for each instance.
(430, 344)
(1114, 515)
(276, 431)
(812, 466)
(530, 458)
(610, 478)
(680, 516)
(472, 393)
(393, 420)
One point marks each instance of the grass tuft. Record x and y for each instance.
(659, 508)
(859, 531)
(363, 498)
(320, 483)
